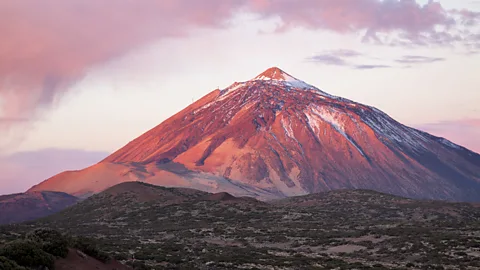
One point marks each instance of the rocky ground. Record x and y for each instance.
(151, 227)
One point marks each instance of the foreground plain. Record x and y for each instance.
(151, 227)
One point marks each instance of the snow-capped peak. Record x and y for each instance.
(275, 74)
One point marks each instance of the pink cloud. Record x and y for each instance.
(465, 132)
(415, 23)
(22, 170)
(47, 45)
(353, 15)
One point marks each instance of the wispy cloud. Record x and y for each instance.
(334, 57)
(418, 59)
(343, 57)
(9, 120)
(328, 60)
(351, 59)
(371, 66)
(346, 53)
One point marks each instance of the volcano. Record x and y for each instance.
(277, 136)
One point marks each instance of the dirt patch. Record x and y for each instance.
(76, 260)
(368, 238)
(344, 249)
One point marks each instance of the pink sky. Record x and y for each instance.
(72, 70)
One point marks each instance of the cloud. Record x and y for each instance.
(8, 121)
(346, 53)
(417, 59)
(414, 23)
(47, 45)
(371, 66)
(352, 15)
(328, 60)
(22, 170)
(346, 58)
(334, 57)
(464, 132)
(342, 57)
(13, 131)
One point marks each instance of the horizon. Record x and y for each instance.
(69, 100)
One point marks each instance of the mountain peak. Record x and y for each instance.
(275, 73)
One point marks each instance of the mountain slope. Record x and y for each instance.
(21, 207)
(276, 136)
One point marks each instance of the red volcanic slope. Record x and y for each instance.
(276, 136)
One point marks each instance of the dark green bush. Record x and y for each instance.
(89, 247)
(138, 265)
(7, 264)
(27, 253)
(51, 241)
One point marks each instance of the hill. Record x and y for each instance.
(343, 229)
(21, 207)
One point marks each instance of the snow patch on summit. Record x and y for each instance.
(289, 81)
(299, 84)
(277, 75)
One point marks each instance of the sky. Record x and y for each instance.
(81, 78)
